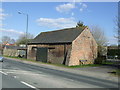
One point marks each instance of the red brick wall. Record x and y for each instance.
(84, 47)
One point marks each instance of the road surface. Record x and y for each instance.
(16, 74)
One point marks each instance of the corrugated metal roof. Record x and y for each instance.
(58, 36)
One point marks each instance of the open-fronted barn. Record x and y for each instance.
(70, 46)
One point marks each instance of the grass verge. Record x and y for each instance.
(116, 72)
(60, 65)
(83, 65)
(108, 62)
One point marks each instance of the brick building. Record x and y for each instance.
(71, 46)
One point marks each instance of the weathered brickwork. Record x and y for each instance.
(55, 52)
(84, 49)
(10, 52)
(31, 52)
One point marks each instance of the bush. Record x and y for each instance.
(98, 60)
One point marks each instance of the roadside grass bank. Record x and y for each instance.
(61, 65)
(115, 72)
(109, 62)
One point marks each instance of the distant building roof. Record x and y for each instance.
(10, 44)
(59, 36)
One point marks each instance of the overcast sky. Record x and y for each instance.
(47, 16)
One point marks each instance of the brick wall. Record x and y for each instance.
(55, 53)
(84, 48)
(10, 52)
(31, 52)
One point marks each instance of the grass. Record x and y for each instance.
(60, 65)
(116, 72)
(22, 58)
(87, 65)
(108, 62)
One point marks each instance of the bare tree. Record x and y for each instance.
(92, 47)
(5, 39)
(12, 41)
(23, 39)
(100, 38)
(117, 29)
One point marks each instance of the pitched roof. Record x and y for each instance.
(59, 36)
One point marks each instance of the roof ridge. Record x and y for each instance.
(62, 29)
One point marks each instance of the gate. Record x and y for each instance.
(41, 54)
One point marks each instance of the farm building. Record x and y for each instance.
(70, 46)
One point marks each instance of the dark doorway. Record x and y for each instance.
(65, 58)
(42, 54)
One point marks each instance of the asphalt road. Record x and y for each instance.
(9, 82)
(16, 74)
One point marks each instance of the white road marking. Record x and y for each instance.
(10, 72)
(15, 76)
(3, 73)
(28, 84)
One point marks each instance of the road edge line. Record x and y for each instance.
(3, 73)
(28, 84)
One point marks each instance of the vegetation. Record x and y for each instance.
(117, 34)
(116, 72)
(114, 52)
(102, 60)
(108, 62)
(60, 65)
(7, 39)
(24, 39)
(80, 24)
(117, 29)
(87, 65)
(101, 39)
(98, 60)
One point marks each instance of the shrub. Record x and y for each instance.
(98, 60)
